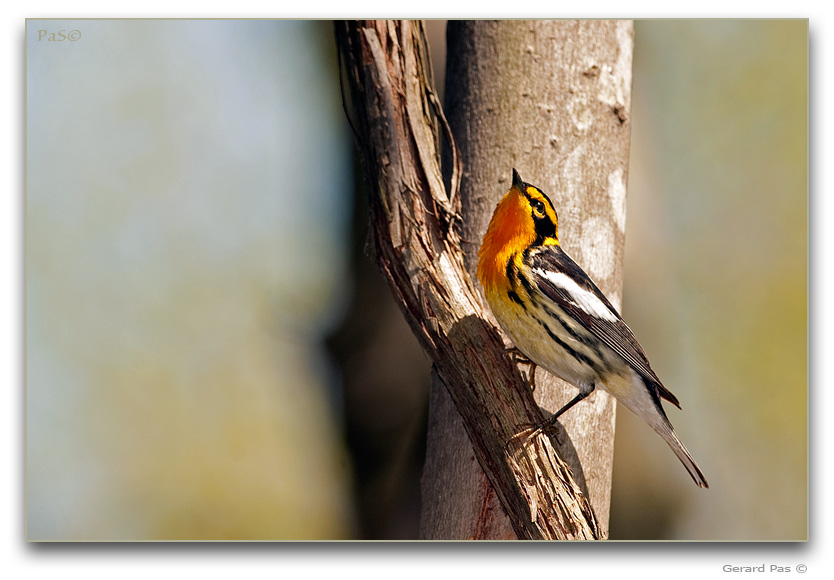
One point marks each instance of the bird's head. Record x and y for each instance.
(523, 218)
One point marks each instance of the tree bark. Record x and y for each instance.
(398, 123)
(552, 99)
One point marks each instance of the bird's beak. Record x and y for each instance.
(517, 182)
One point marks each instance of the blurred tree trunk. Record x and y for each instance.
(552, 99)
(398, 123)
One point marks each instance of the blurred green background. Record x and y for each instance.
(210, 355)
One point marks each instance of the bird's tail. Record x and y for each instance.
(666, 431)
(643, 399)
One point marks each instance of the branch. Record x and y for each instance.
(397, 118)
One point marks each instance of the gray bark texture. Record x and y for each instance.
(552, 99)
(399, 125)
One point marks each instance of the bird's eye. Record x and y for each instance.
(538, 206)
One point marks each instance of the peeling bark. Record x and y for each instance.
(399, 125)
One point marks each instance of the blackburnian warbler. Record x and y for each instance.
(559, 319)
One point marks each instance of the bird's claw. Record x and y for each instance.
(530, 430)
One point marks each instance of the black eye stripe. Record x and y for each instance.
(536, 204)
(545, 227)
(538, 191)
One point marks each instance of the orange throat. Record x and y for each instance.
(505, 236)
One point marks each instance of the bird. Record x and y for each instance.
(557, 317)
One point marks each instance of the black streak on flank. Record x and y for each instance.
(585, 339)
(514, 297)
(529, 289)
(575, 354)
(513, 278)
(510, 271)
(579, 337)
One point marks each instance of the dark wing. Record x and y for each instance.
(588, 305)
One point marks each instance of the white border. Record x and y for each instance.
(209, 561)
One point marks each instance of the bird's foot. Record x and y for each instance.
(530, 430)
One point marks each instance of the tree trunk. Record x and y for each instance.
(398, 123)
(552, 99)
